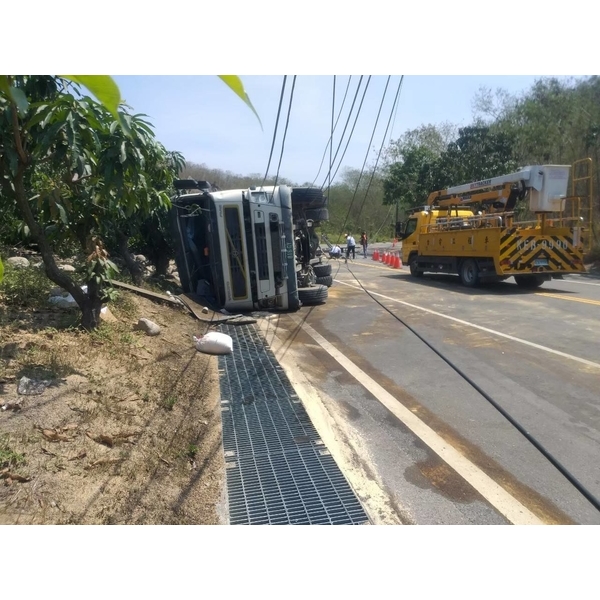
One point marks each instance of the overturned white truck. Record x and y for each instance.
(250, 249)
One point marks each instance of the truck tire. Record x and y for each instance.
(316, 294)
(529, 282)
(325, 280)
(412, 265)
(469, 273)
(322, 270)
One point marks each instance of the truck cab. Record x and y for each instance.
(243, 249)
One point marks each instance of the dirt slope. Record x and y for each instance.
(129, 431)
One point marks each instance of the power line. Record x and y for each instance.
(352, 130)
(287, 122)
(330, 140)
(347, 121)
(381, 147)
(367, 154)
(275, 131)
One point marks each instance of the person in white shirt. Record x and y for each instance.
(335, 252)
(350, 247)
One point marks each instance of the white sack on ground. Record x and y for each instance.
(214, 342)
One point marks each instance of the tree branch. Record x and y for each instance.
(17, 134)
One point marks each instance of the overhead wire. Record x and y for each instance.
(381, 147)
(330, 140)
(352, 130)
(275, 130)
(347, 121)
(367, 154)
(287, 122)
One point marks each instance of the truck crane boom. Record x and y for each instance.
(546, 184)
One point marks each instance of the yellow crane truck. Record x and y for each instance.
(471, 230)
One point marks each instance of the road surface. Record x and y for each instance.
(418, 442)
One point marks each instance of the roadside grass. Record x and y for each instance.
(8, 457)
(25, 288)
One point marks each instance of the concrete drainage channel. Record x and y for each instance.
(278, 470)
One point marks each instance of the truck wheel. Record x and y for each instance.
(322, 270)
(316, 294)
(469, 273)
(412, 265)
(325, 280)
(529, 282)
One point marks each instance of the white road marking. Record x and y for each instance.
(584, 361)
(569, 280)
(496, 495)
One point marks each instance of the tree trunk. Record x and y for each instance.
(162, 264)
(90, 311)
(132, 265)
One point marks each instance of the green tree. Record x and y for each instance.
(409, 181)
(71, 168)
(478, 153)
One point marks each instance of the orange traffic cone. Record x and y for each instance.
(397, 261)
(393, 261)
(376, 255)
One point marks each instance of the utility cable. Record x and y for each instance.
(563, 470)
(367, 155)
(275, 131)
(347, 121)
(330, 140)
(352, 131)
(287, 122)
(381, 147)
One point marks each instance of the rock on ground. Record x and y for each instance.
(17, 262)
(147, 326)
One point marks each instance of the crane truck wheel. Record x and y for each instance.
(315, 294)
(412, 265)
(469, 273)
(529, 282)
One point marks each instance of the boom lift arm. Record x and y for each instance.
(547, 185)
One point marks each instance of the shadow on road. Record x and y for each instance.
(452, 283)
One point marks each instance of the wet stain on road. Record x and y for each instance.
(436, 474)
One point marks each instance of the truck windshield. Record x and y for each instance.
(411, 227)
(262, 197)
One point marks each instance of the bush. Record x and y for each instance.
(28, 288)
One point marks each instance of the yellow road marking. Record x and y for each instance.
(572, 299)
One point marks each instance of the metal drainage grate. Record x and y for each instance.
(278, 470)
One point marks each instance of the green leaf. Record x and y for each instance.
(235, 83)
(123, 156)
(18, 97)
(62, 213)
(1, 270)
(103, 87)
(4, 85)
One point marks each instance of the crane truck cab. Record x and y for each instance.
(471, 230)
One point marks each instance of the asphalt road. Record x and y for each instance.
(437, 449)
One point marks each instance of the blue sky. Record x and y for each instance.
(200, 117)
